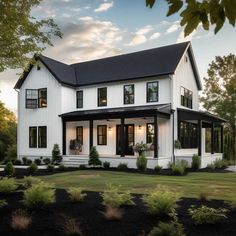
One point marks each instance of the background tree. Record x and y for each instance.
(219, 97)
(21, 35)
(204, 12)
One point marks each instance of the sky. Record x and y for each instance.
(95, 29)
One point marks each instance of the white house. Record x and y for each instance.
(113, 103)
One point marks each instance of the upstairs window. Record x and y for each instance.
(31, 101)
(42, 136)
(79, 99)
(186, 98)
(33, 137)
(79, 134)
(129, 94)
(102, 135)
(152, 91)
(42, 93)
(102, 97)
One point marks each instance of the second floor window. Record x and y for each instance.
(152, 91)
(186, 98)
(42, 93)
(31, 101)
(33, 137)
(42, 136)
(79, 99)
(102, 97)
(129, 94)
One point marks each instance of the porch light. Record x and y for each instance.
(140, 127)
(109, 128)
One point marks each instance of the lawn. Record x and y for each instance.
(215, 185)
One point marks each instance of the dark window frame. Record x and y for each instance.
(30, 99)
(81, 135)
(99, 98)
(186, 99)
(190, 140)
(41, 98)
(30, 144)
(147, 91)
(148, 134)
(105, 135)
(131, 94)
(40, 145)
(79, 100)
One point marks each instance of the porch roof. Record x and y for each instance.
(163, 110)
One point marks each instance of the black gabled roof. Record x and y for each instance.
(152, 62)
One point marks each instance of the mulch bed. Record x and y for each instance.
(136, 221)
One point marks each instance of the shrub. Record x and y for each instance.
(106, 164)
(161, 202)
(11, 154)
(220, 164)
(7, 185)
(76, 194)
(37, 162)
(207, 215)
(141, 162)
(39, 196)
(29, 181)
(3, 203)
(24, 160)
(46, 161)
(112, 213)
(56, 154)
(28, 162)
(113, 197)
(32, 169)
(211, 166)
(157, 169)
(94, 157)
(17, 162)
(122, 166)
(172, 228)
(179, 168)
(72, 227)
(61, 167)
(50, 167)
(20, 220)
(9, 169)
(196, 162)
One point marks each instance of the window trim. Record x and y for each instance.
(30, 99)
(33, 127)
(77, 127)
(44, 126)
(77, 103)
(188, 99)
(40, 98)
(129, 94)
(98, 126)
(151, 82)
(150, 123)
(98, 104)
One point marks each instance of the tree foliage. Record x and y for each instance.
(219, 95)
(21, 34)
(205, 13)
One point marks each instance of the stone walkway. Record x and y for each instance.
(231, 168)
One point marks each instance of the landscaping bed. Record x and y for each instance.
(135, 221)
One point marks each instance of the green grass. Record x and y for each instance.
(215, 185)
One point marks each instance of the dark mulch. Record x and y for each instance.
(135, 220)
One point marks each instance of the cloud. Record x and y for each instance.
(145, 30)
(181, 37)
(65, 15)
(172, 28)
(104, 7)
(155, 36)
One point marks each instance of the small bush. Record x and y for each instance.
(211, 166)
(7, 185)
(46, 161)
(72, 227)
(76, 194)
(179, 168)
(172, 228)
(141, 162)
(29, 181)
(37, 162)
(220, 164)
(113, 197)
(157, 169)
(39, 196)
(17, 162)
(28, 162)
(21, 220)
(61, 167)
(56, 154)
(32, 169)
(94, 157)
(106, 164)
(3, 203)
(113, 213)
(122, 166)
(50, 167)
(24, 160)
(161, 202)
(196, 162)
(207, 215)
(9, 169)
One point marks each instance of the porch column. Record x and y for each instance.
(199, 137)
(155, 137)
(122, 139)
(212, 138)
(63, 137)
(222, 138)
(90, 134)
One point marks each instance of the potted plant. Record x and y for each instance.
(140, 148)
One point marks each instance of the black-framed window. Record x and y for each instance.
(101, 135)
(102, 96)
(150, 133)
(188, 134)
(33, 137)
(79, 134)
(42, 136)
(42, 97)
(152, 91)
(186, 97)
(31, 98)
(79, 99)
(129, 94)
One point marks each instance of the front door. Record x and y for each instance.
(128, 140)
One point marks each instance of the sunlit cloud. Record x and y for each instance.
(104, 7)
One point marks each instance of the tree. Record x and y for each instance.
(219, 95)
(205, 12)
(56, 154)
(7, 130)
(21, 35)
(94, 157)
